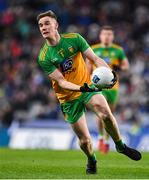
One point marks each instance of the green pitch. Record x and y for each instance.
(41, 164)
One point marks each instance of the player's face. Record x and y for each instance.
(106, 37)
(48, 27)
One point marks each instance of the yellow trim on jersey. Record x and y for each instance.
(43, 52)
(69, 35)
(96, 45)
(99, 45)
(116, 46)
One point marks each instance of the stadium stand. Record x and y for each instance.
(24, 90)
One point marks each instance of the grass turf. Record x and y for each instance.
(47, 164)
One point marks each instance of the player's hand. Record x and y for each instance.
(86, 88)
(114, 80)
(116, 68)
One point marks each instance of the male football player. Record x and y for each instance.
(61, 59)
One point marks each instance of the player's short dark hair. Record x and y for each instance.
(47, 13)
(107, 27)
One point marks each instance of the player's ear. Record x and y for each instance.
(57, 25)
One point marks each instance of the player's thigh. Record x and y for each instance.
(73, 110)
(80, 128)
(99, 105)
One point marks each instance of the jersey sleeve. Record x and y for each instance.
(82, 43)
(46, 66)
(122, 54)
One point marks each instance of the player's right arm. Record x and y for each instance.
(54, 74)
(57, 76)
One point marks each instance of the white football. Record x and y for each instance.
(102, 76)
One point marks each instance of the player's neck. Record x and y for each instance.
(54, 40)
(106, 45)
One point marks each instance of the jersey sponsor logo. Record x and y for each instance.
(70, 71)
(66, 65)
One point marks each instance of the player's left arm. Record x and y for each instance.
(90, 55)
(89, 65)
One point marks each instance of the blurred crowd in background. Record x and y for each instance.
(26, 93)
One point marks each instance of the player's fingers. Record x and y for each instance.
(115, 77)
(85, 85)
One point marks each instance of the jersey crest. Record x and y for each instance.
(71, 49)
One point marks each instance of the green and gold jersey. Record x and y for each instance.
(67, 57)
(112, 55)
